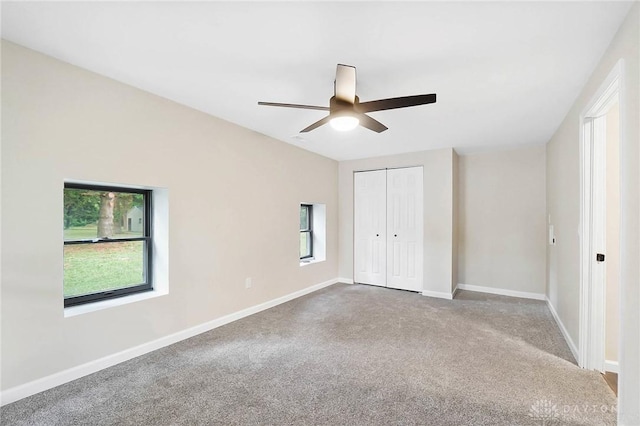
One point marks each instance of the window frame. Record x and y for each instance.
(308, 230)
(147, 285)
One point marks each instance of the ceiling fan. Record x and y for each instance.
(345, 109)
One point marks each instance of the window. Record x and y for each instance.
(107, 242)
(313, 233)
(306, 231)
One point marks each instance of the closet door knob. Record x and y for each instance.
(395, 235)
(377, 235)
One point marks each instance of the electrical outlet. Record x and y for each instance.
(247, 283)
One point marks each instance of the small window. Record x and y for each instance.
(107, 242)
(306, 231)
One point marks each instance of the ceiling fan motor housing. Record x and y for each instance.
(339, 107)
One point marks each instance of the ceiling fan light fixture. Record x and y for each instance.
(344, 123)
(346, 112)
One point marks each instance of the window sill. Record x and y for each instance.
(73, 311)
(310, 261)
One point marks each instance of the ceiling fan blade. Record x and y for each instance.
(316, 124)
(371, 124)
(320, 108)
(345, 84)
(393, 103)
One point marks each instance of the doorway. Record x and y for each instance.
(600, 228)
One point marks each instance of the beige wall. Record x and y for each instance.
(438, 213)
(502, 226)
(612, 263)
(563, 203)
(233, 203)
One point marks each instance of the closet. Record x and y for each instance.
(388, 228)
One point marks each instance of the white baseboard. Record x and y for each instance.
(345, 280)
(57, 379)
(565, 333)
(438, 294)
(611, 366)
(501, 291)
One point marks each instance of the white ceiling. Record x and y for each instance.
(505, 73)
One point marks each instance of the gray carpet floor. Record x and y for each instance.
(347, 355)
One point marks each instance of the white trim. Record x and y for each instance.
(591, 316)
(501, 291)
(611, 366)
(438, 294)
(586, 129)
(57, 379)
(602, 99)
(345, 280)
(72, 311)
(563, 330)
(311, 262)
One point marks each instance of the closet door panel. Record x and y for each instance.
(405, 228)
(370, 223)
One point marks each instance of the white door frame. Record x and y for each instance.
(592, 217)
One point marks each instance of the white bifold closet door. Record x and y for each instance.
(388, 214)
(370, 216)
